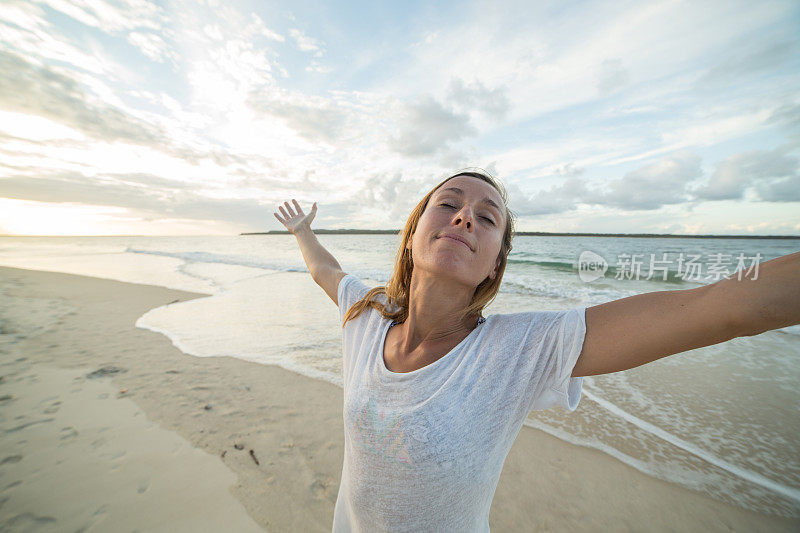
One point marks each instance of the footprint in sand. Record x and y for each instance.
(13, 484)
(11, 459)
(27, 522)
(52, 408)
(320, 488)
(68, 434)
(143, 486)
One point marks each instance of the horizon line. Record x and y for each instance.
(345, 231)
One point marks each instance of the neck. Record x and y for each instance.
(433, 308)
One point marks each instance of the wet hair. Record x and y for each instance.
(399, 286)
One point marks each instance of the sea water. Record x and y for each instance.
(722, 420)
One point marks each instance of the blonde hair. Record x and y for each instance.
(399, 286)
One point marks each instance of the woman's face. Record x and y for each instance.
(462, 209)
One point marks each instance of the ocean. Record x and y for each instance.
(721, 420)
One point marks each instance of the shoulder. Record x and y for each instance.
(351, 288)
(534, 323)
(507, 320)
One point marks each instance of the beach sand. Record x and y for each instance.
(149, 443)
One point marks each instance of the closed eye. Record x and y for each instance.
(487, 219)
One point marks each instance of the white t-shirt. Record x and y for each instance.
(424, 449)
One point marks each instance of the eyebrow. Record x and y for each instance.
(486, 200)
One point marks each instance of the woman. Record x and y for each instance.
(435, 394)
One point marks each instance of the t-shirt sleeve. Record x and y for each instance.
(358, 331)
(351, 289)
(562, 346)
(545, 346)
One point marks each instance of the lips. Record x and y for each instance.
(457, 238)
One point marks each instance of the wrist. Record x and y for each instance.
(301, 232)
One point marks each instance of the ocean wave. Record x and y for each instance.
(210, 257)
(611, 273)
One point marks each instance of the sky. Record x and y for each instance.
(189, 117)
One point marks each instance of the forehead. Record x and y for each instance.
(472, 187)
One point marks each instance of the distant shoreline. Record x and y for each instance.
(539, 234)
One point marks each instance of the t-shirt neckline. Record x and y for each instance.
(385, 370)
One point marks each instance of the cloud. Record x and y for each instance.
(43, 91)
(646, 188)
(315, 66)
(155, 197)
(260, 28)
(556, 199)
(152, 46)
(426, 127)
(782, 190)
(611, 76)
(74, 187)
(736, 173)
(492, 102)
(107, 17)
(312, 118)
(747, 59)
(786, 115)
(653, 185)
(568, 169)
(306, 43)
(391, 195)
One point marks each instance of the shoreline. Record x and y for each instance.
(540, 234)
(293, 423)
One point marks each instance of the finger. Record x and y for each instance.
(314, 208)
(287, 217)
(289, 208)
(278, 217)
(299, 209)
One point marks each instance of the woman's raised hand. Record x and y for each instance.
(296, 221)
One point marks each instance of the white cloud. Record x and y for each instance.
(426, 126)
(56, 96)
(312, 118)
(152, 46)
(261, 29)
(556, 199)
(611, 76)
(475, 96)
(319, 67)
(306, 43)
(123, 15)
(736, 173)
(652, 186)
(781, 190)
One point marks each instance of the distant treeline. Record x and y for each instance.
(539, 234)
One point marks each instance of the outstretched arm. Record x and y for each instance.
(324, 268)
(633, 331)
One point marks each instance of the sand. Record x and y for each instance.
(150, 443)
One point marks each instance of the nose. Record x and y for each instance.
(464, 218)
